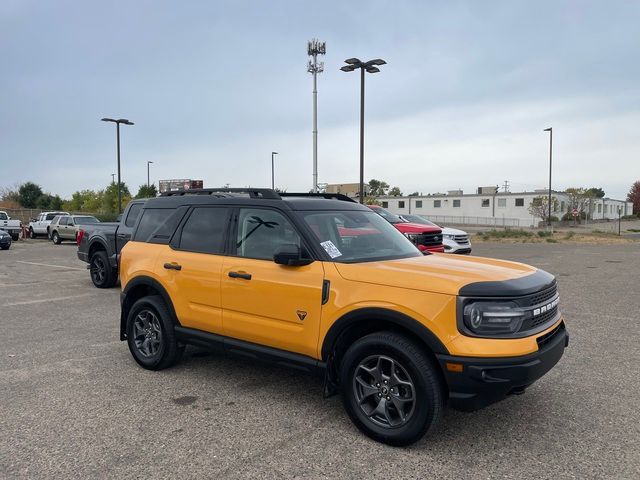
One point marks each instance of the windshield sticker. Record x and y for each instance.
(331, 249)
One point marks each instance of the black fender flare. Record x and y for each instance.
(384, 315)
(125, 303)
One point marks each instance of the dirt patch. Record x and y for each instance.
(532, 236)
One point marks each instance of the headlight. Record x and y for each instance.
(491, 318)
(412, 236)
(450, 237)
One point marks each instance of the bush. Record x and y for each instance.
(544, 233)
(630, 217)
(569, 236)
(552, 240)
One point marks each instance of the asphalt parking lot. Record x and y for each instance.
(73, 403)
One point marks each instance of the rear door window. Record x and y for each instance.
(63, 221)
(205, 230)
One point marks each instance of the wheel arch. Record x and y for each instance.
(361, 322)
(136, 289)
(96, 245)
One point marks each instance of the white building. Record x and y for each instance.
(495, 208)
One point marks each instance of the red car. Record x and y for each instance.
(426, 238)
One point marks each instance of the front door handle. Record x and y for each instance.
(172, 266)
(243, 275)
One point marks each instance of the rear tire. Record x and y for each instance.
(56, 238)
(390, 388)
(102, 275)
(5, 248)
(15, 237)
(150, 335)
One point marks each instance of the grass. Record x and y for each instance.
(569, 235)
(633, 230)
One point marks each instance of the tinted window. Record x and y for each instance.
(63, 221)
(51, 216)
(437, 203)
(456, 203)
(152, 219)
(85, 220)
(485, 202)
(205, 230)
(519, 202)
(261, 232)
(418, 203)
(3, 216)
(132, 216)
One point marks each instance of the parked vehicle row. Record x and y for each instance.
(453, 240)
(67, 227)
(12, 227)
(40, 225)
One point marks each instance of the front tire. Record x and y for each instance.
(102, 275)
(32, 234)
(150, 334)
(390, 388)
(56, 238)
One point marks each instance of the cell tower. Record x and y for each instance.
(314, 48)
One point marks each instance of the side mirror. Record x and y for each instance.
(290, 255)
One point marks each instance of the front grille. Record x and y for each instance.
(428, 239)
(541, 297)
(548, 337)
(538, 320)
(463, 239)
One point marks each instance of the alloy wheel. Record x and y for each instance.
(147, 333)
(384, 391)
(98, 270)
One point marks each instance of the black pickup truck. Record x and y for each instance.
(99, 245)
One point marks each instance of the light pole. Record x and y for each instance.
(315, 48)
(273, 183)
(369, 67)
(148, 163)
(113, 178)
(550, 130)
(118, 122)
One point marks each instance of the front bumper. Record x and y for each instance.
(451, 246)
(483, 381)
(5, 242)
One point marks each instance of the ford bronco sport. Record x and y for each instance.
(322, 283)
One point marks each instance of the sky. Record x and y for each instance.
(215, 86)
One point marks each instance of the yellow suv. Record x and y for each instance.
(319, 282)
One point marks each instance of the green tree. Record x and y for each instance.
(595, 192)
(44, 201)
(110, 197)
(395, 191)
(634, 197)
(147, 191)
(28, 194)
(56, 203)
(83, 201)
(377, 187)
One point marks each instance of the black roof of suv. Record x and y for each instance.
(262, 196)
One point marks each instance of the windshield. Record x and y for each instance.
(85, 220)
(387, 215)
(355, 236)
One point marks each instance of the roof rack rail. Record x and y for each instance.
(265, 193)
(328, 196)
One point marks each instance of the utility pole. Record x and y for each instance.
(148, 163)
(273, 183)
(118, 122)
(550, 130)
(315, 48)
(113, 178)
(506, 186)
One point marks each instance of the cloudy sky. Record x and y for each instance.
(215, 86)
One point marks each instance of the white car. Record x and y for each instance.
(40, 225)
(12, 227)
(454, 241)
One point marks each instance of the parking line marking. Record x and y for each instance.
(52, 266)
(43, 300)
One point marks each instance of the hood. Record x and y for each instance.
(452, 231)
(408, 227)
(446, 274)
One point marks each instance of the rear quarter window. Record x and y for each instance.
(157, 225)
(134, 213)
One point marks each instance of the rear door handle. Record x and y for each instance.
(245, 276)
(172, 266)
